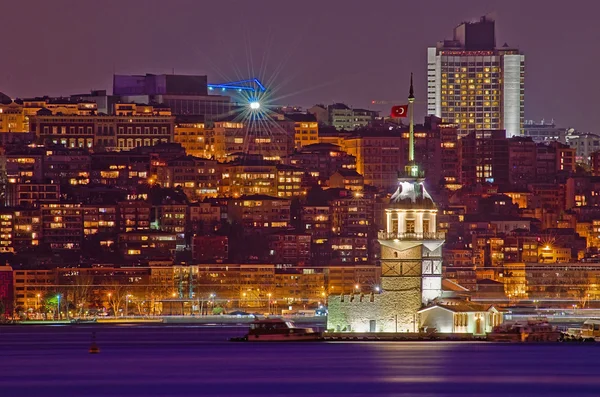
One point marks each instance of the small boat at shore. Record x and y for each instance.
(589, 332)
(278, 330)
(530, 331)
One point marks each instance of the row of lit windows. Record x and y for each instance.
(63, 130)
(449, 89)
(471, 100)
(474, 115)
(131, 143)
(471, 67)
(138, 130)
(73, 142)
(472, 121)
(477, 75)
(473, 104)
(464, 83)
(89, 130)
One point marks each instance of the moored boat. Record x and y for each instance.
(278, 330)
(589, 332)
(530, 331)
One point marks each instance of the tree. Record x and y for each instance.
(154, 294)
(116, 297)
(139, 302)
(583, 294)
(49, 302)
(217, 310)
(82, 289)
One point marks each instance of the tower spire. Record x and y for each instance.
(411, 131)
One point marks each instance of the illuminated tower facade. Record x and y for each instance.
(411, 246)
(474, 84)
(411, 260)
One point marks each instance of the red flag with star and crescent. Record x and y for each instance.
(400, 111)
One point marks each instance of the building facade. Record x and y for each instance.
(132, 126)
(473, 83)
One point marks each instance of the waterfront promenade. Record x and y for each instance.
(318, 321)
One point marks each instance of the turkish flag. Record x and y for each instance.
(400, 111)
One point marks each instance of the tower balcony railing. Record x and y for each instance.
(383, 235)
(411, 173)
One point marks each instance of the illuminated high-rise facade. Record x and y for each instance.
(475, 85)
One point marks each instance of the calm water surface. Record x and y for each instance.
(198, 361)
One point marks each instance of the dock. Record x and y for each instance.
(399, 336)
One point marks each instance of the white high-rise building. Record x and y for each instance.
(475, 85)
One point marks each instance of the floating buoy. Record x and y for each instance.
(94, 347)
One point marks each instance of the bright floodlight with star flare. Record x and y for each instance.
(254, 105)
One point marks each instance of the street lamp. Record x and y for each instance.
(58, 306)
(588, 300)
(269, 307)
(208, 303)
(127, 304)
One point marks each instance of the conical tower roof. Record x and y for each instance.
(411, 195)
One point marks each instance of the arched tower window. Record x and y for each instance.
(425, 225)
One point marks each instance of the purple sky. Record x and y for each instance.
(350, 51)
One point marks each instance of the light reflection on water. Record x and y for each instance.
(183, 361)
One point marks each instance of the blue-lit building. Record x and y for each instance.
(185, 95)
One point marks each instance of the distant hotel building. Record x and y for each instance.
(474, 84)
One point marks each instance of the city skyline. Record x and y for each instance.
(344, 67)
(377, 176)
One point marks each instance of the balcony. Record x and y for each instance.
(411, 174)
(382, 235)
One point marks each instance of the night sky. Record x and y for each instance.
(327, 50)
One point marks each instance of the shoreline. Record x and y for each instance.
(320, 322)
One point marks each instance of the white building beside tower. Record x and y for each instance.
(474, 84)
